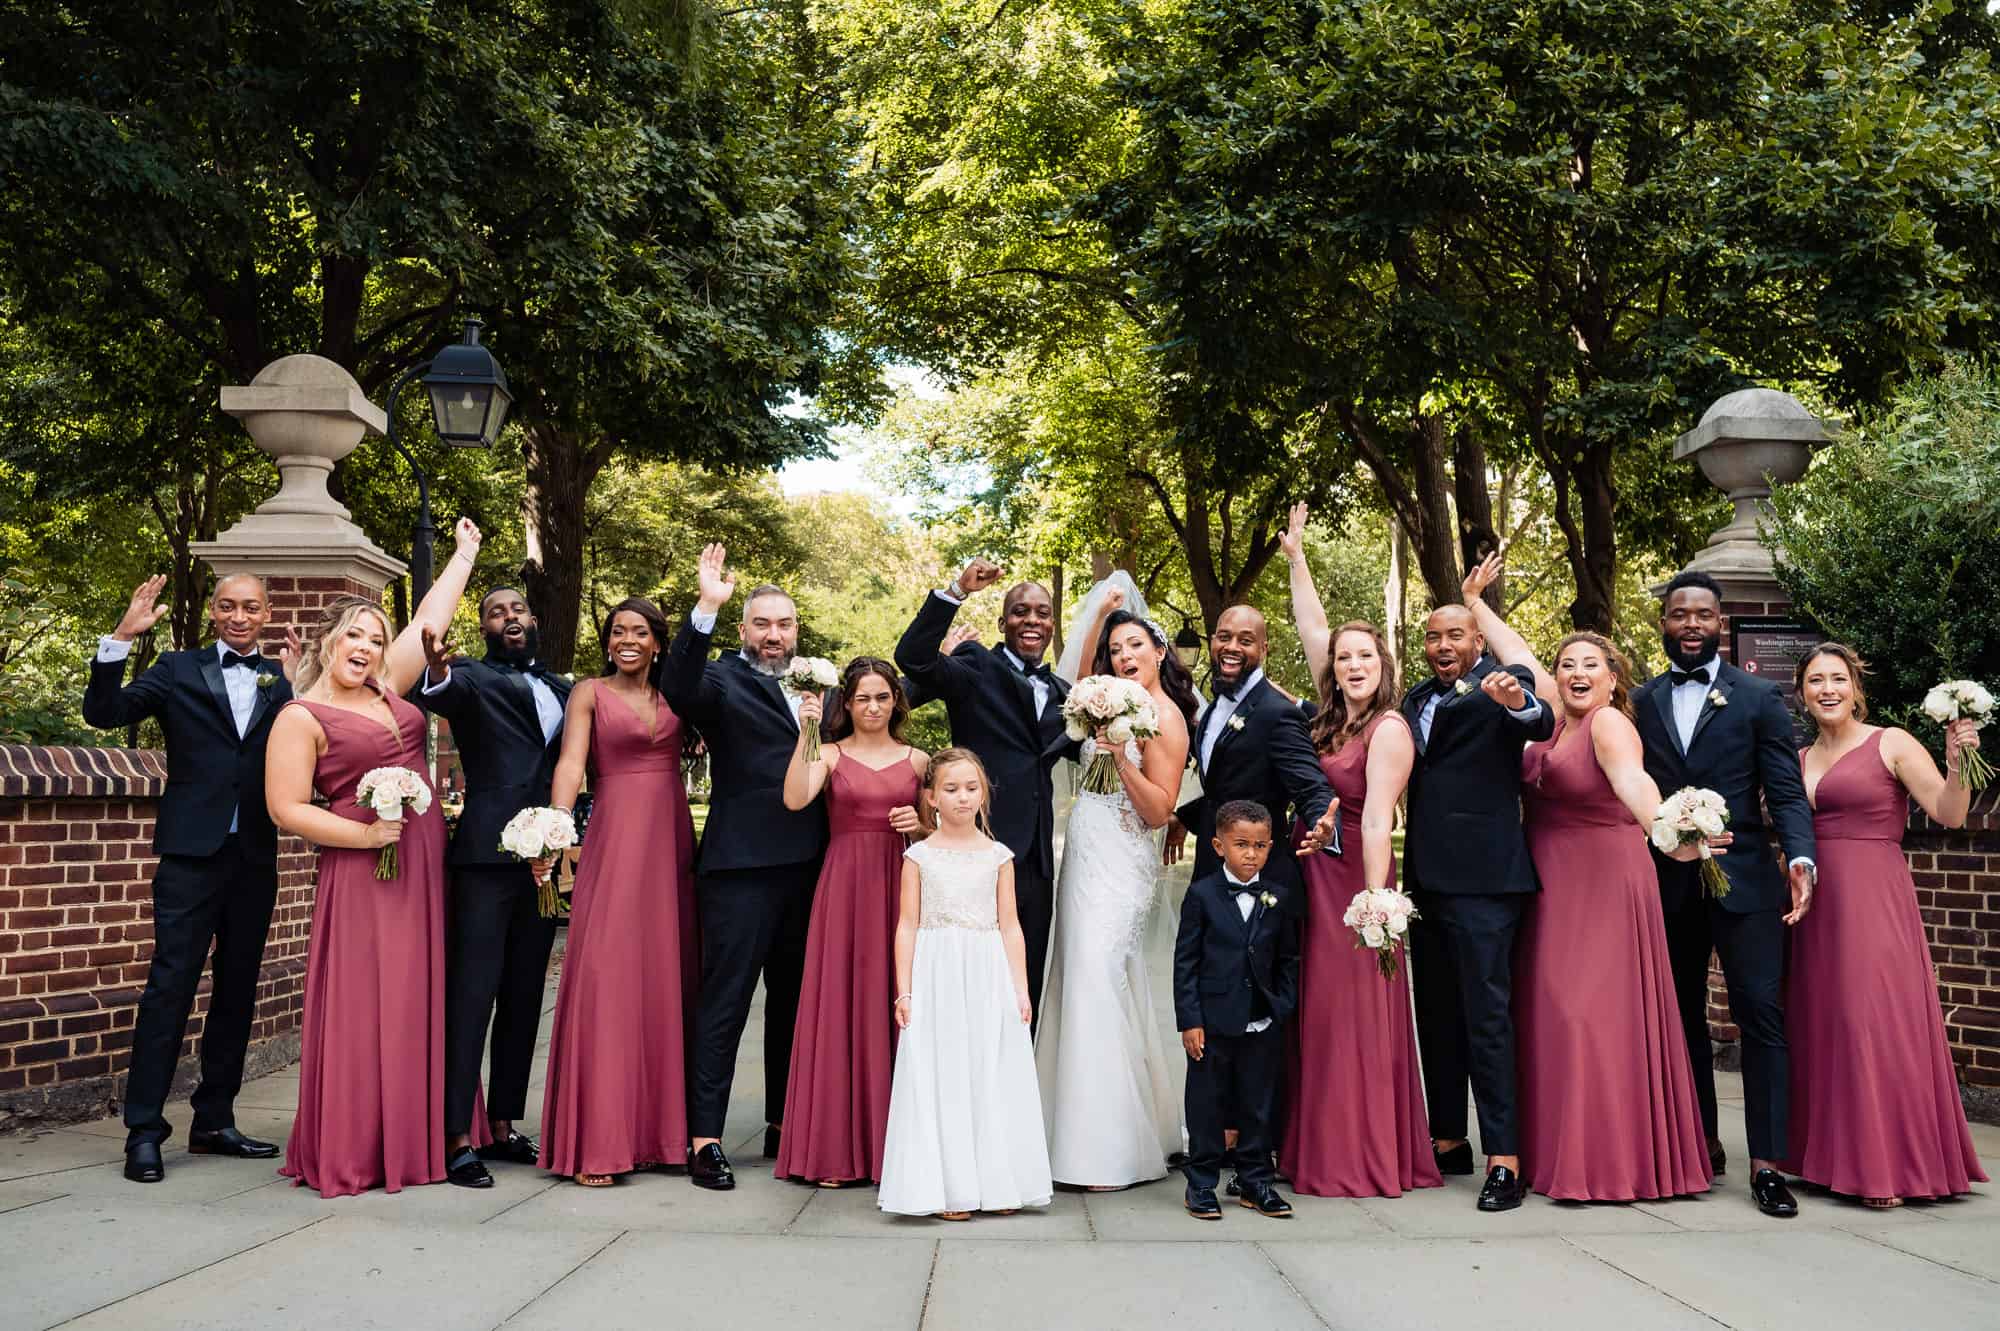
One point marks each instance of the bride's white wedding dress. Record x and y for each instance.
(1110, 1097)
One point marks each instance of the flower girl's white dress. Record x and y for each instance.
(965, 1115)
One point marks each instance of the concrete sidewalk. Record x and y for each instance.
(223, 1244)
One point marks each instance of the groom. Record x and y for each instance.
(1707, 724)
(217, 878)
(1005, 704)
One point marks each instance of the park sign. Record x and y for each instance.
(1771, 647)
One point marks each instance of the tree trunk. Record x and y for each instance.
(1436, 547)
(1396, 589)
(1596, 573)
(560, 470)
(1478, 535)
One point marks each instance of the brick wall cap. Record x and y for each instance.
(40, 771)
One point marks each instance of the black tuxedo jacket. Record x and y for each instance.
(1465, 789)
(748, 726)
(991, 706)
(1742, 750)
(1270, 759)
(1223, 963)
(211, 771)
(508, 767)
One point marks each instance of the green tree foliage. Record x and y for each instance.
(1890, 541)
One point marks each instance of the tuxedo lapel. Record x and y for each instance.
(1024, 691)
(260, 704)
(1413, 712)
(1663, 700)
(1723, 685)
(211, 675)
(1238, 720)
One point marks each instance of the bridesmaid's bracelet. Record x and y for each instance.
(901, 997)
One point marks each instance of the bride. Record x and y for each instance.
(1108, 1092)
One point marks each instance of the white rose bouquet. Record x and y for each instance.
(533, 834)
(810, 674)
(387, 790)
(1690, 817)
(1380, 918)
(1964, 700)
(1121, 709)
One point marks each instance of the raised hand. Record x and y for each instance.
(466, 536)
(145, 610)
(438, 654)
(960, 635)
(977, 576)
(1503, 688)
(290, 652)
(1482, 576)
(812, 707)
(1960, 737)
(1292, 540)
(1114, 600)
(718, 584)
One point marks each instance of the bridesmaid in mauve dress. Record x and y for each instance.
(837, 1107)
(371, 1063)
(1875, 1106)
(1355, 1123)
(616, 1097)
(1608, 1106)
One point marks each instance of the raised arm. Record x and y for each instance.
(1308, 613)
(1508, 647)
(804, 780)
(1291, 751)
(1089, 635)
(290, 756)
(684, 682)
(405, 659)
(918, 655)
(108, 702)
(1941, 794)
(1390, 755)
(443, 691)
(1622, 759)
(1154, 782)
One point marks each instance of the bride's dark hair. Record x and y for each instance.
(1175, 681)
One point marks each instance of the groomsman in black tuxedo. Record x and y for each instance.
(506, 717)
(1251, 743)
(217, 878)
(759, 861)
(1006, 706)
(1467, 865)
(1705, 723)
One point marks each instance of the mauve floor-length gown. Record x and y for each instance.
(617, 1080)
(371, 1061)
(1875, 1105)
(1608, 1107)
(837, 1101)
(1355, 1123)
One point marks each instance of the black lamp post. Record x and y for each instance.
(469, 401)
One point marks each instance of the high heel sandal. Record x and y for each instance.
(594, 1180)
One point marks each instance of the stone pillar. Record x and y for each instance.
(307, 413)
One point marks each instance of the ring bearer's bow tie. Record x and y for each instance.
(1676, 678)
(248, 662)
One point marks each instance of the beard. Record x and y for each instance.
(774, 668)
(1710, 645)
(498, 647)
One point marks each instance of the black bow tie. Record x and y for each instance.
(230, 658)
(533, 668)
(1240, 888)
(1231, 691)
(1034, 671)
(1679, 677)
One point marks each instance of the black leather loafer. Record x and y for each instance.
(1718, 1159)
(1264, 1200)
(228, 1141)
(467, 1170)
(772, 1136)
(1503, 1190)
(1458, 1160)
(1201, 1203)
(142, 1162)
(516, 1149)
(709, 1168)
(1773, 1197)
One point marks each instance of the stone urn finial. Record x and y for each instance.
(1749, 441)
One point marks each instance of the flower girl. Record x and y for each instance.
(965, 1114)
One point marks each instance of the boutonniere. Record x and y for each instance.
(1716, 698)
(1236, 723)
(1463, 687)
(1269, 898)
(265, 679)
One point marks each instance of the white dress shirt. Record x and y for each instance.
(1213, 722)
(1529, 712)
(1246, 901)
(547, 709)
(1688, 699)
(238, 683)
(1038, 683)
(703, 621)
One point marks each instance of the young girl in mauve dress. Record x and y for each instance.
(965, 1113)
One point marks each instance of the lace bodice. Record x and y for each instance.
(1118, 800)
(960, 887)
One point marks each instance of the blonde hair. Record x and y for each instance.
(945, 758)
(333, 622)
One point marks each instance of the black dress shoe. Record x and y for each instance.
(1503, 1190)
(709, 1168)
(1458, 1160)
(467, 1170)
(1264, 1200)
(1773, 1197)
(1718, 1159)
(228, 1141)
(142, 1162)
(1201, 1203)
(772, 1136)
(517, 1149)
